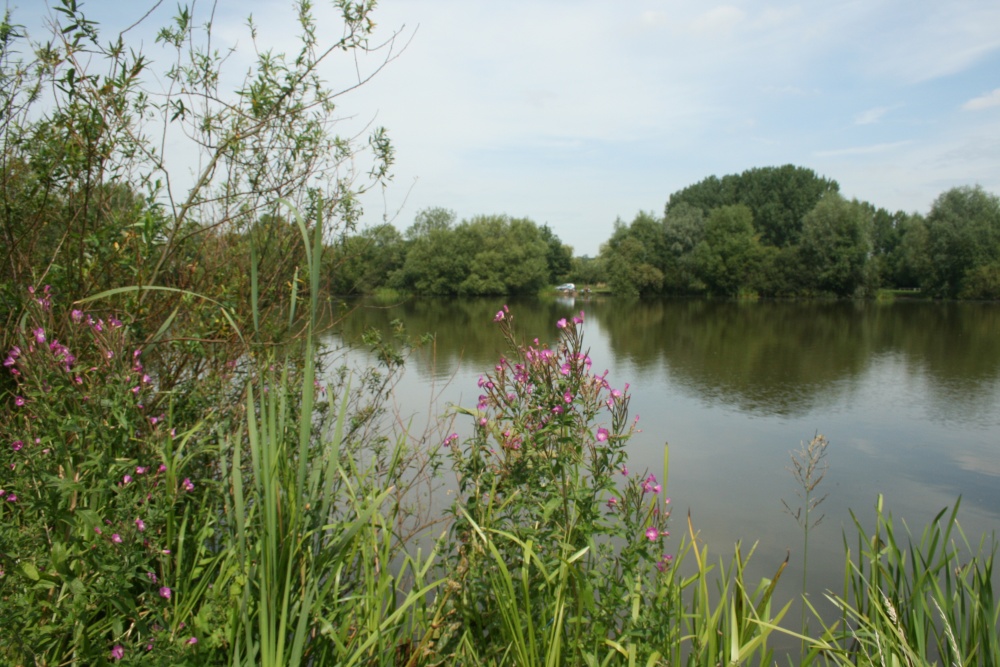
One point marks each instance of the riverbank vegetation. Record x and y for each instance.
(785, 231)
(186, 480)
(768, 232)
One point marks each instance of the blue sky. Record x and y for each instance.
(576, 112)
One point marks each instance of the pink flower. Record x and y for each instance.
(117, 652)
(165, 592)
(648, 485)
(140, 525)
(652, 534)
(19, 401)
(602, 434)
(151, 576)
(193, 640)
(447, 442)
(568, 397)
(499, 316)
(17, 445)
(11, 497)
(126, 479)
(664, 562)
(39, 335)
(188, 486)
(140, 470)
(76, 315)
(579, 320)
(116, 538)
(624, 471)
(561, 324)
(612, 503)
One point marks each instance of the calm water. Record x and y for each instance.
(907, 393)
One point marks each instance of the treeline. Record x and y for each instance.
(785, 231)
(486, 255)
(771, 232)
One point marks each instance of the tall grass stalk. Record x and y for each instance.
(809, 467)
(311, 543)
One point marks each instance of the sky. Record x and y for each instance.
(574, 113)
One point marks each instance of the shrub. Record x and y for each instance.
(90, 500)
(552, 533)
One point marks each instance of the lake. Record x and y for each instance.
(907, 392)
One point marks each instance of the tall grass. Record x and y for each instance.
(911, 602)
(289, 548)
(312, 538)
(921, 600)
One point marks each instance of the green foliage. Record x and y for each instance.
(836, 246)
(364, 262)
(909, 602)
(963, 235)
(540, 505)
(729, 256)
(88, 204)
(487, 255)
(683, 230)
(778, 198)
(633, 256)
(97, 500)
(559, 257)
(588, 271)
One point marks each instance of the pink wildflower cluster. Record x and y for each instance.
(542, 387)
(38, 353)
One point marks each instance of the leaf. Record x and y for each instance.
(30, 571)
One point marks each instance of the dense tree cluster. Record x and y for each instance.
(785, 231)
(486, 255)
(772, 231)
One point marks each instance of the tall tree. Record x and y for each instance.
(963, 235)
(633, 256)
(778, 198)
(836, 245)
(432, 266)
(507, 256)
(559, 256)
(683, 230)
(728, 258)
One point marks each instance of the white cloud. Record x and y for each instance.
(719, 21)
(871, 116)
(863, 150)
(986, 101)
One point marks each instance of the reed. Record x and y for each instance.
(312, 537)
(921, 600)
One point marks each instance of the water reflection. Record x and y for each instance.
(907, 393)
